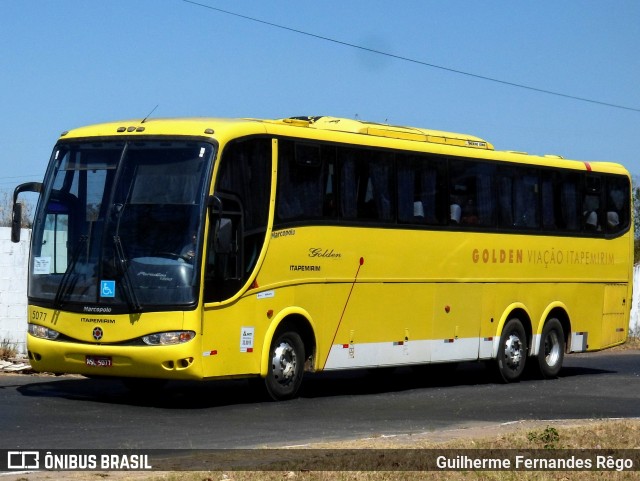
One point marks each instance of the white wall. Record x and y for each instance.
(634, 321)
(14, 260)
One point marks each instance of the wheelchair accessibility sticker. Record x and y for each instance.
(107, 288)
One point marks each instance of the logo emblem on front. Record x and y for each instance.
(97, 333)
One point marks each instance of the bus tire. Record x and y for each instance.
(286, 366)
(512, 352)
(551, 353)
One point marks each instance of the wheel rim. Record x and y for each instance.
(284, 363)
(513, 351)
(552, 349)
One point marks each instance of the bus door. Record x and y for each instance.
(239, 216)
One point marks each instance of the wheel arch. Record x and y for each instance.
(298, 320)
(555, 310)
(515, 310)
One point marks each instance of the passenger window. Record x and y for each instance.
(560, 194)
(420, 190)
(550, 201)
(245, 171)
(569, 194)
(471, 194)
(591, 204)
(366, 191)
(518, 197)
(617, 202)
(301, 181)
(306, 181)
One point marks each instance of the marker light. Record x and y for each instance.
(168, 338)
(42, 332)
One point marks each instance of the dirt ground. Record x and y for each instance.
(481, 431)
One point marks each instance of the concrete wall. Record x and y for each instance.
(14, 260)
(634, 321)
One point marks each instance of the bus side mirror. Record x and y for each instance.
(16, 214)
(215, 205)
(223, 230)
(223, 241)
(16, 222)
(225, 255)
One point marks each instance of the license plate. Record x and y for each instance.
(98, 361)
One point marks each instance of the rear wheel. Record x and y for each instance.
(286, 366)
(551, 353)
(512, 353)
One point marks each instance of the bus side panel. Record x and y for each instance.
(383, 324)
(590, 328)
(235, 334)
(614, 318)
(232, 338)
(457, 314)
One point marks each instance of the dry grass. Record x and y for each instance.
(526, 436)
(7, 350)
(620, 434)
(633, 342)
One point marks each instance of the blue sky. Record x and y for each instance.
(70, 63)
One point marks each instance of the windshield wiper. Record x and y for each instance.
(63, 288)
(129, 290)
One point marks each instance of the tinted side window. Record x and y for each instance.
(245, 172)
(302, 181)
(518, 197)
(421, 190)
(471, 193)
(592, 213)
(321, 181)
(617, 205)
(550, 193)
(366, 184)
(561, 205)
(569, 186)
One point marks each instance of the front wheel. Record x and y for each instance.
(551, 352)
(286, 366)
(512, 353)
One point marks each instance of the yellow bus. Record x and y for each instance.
(217, 248)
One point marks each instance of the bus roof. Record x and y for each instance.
(227, 128)
(204, 126)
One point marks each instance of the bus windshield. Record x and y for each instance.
(117, 228)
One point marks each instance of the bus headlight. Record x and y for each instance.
(168, 338)
(42, 332)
